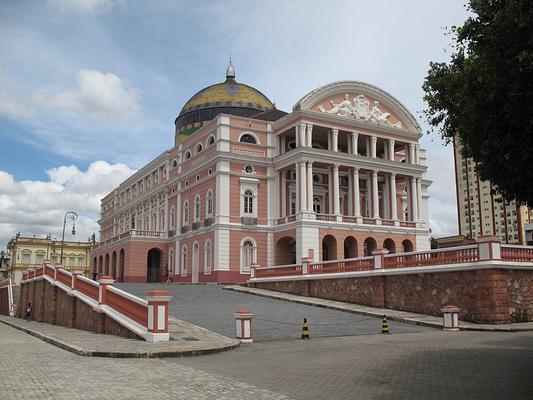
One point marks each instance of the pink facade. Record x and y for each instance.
(340, 176)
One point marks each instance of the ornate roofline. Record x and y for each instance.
(342, 87)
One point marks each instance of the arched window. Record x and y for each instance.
(170, 261)
(209, 204)
(187, 154)
(197, 208)
(247, 138)
(199, 148)
(293, 203)
(174, 163)
(184, 260)
(172, 217)
(186, 213)
(210, 140)
(248, 255)
(248, 202)
(207, 257)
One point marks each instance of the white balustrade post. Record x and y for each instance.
(379, 258)
(489, 248)
(243, 326)
(450, 317)
(158, 316)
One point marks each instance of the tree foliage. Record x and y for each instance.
(484, 95)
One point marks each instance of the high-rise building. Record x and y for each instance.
(480, 211)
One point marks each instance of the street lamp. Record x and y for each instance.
(72, 216)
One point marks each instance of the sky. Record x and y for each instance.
(89, 89)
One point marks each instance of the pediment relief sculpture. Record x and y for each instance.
(360, 110)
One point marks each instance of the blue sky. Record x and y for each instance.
(102, 80)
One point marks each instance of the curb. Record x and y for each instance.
(374, 314)
(120, 354)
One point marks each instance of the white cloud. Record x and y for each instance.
(83, 6)
(38, 207)
(11, 107)
(101, 95)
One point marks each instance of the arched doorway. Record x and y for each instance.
(121, 260)
(195, 261)
(95, 267)
(329, 248)
(407, 246)
(369, 246)
(114, 265)
(101, 266)
(106, 271)
(286, 251)
(390, 246)
(153, 261)
(350, 247)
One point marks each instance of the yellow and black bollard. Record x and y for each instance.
(305, 330)
(385, 325)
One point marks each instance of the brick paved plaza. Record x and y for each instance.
(212, 307)
(424, 365)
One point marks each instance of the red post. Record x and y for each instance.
(158, 316)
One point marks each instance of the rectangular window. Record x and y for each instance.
(81, 261)
(40, 259)
(26, 259)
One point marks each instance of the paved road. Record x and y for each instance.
(212, 307)
(415, 366)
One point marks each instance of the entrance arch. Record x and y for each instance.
(390, 246)
(114, 265)
(153, 261)
(350, 247)
(286, 251)
(407, 246)
(329, 248)
(369, 246)
(100, 266)
(107, 264)
(121, 259)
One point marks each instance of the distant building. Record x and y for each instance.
(480, 212)
(529, 233)
(28, 252)
(453, 241)
(4, 262)
(245, 183)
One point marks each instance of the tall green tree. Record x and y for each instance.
(484, 95)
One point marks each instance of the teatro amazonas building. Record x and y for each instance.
(339, 176)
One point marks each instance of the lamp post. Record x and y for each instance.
(73, 216)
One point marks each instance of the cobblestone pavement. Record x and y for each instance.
(426, 365)
(212, 307)
(33, 369)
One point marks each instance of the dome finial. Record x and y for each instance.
(230, 71)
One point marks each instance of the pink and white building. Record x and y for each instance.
(339, 176)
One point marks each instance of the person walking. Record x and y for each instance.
(29, 310)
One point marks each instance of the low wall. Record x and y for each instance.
(57, 307)
(494, 296)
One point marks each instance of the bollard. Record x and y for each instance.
(450, 316)
(243, 326)
(158, 316)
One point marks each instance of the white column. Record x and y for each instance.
(417, 154)
(414, 205)
(391, 150)
(356, 194)
(373, 145)
(375, 194)
(419, 197)
(309, 135)
(302, 129)
(411, 153)
(309, 185)
(393, 202)
(355, 137)
(302, 184)
(336, 200)
(335, 139)
(283, 179)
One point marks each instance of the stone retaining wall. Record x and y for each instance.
(54, 306)
(484, 296)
